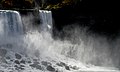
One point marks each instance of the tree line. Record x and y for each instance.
(44, 4)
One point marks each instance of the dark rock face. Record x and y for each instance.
(97, 16)
(50, 68)
(18, 56)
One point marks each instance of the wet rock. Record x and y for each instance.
(8, 57)
(29, 62)
(45, 63)
(33, 65)
(59, 64)
(74, 67)
(50, 68)
(17, 62)
(36, 66)
(59, 71)
(18, 56)
(22, 61)
(18, 67)
(3, 52)
(67, 68)
(11, 60)
(39, 67)
(22, 66)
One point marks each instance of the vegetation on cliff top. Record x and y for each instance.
(44, 4)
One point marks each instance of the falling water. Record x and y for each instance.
(46, 20)
(39, 52)
(11, 22)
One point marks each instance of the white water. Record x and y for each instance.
(41, 46)
(46, 18)
(11, 22)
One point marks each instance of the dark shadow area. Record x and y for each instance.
(97, 15)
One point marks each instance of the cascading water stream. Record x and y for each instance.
(11, 22)
(38, 51)
(46, 20)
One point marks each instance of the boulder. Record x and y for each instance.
(46, 63)
(18, 56)
(36, 66)
(50, 68)
(17, 62)
(22, 61)
(67, 68)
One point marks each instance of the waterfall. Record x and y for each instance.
(34, 51)
(11, 22)
(46, 20)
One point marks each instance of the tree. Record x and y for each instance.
(6, 3)
(44, 4)
(17, 3)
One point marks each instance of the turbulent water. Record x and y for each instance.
(36, 51)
